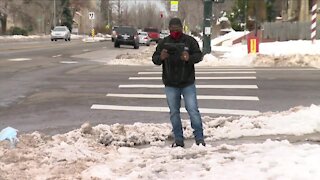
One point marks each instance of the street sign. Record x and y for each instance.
(174, 6)
(91, 15)
(207, 30)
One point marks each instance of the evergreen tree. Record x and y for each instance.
(249, 14)
(237, 17)
(66, 19)
(271, 13)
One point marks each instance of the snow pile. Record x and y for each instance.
(298, 60)
(277, 54)
(21, 37)
(134, 59)
(32, 37)
(99, 152)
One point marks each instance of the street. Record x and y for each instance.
(54, 87)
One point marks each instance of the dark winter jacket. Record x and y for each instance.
(176, 72)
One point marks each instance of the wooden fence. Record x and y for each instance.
(284, 31)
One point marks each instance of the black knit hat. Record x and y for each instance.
(175, 21)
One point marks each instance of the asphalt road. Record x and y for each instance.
(54, 87)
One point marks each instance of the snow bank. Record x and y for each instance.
(100, 152)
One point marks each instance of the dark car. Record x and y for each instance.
(126, 36)
(153, 33)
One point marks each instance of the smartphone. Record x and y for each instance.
(174, 48)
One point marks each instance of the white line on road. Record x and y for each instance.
(224, 72)
(165, 109)
(68, 62)
(260, 69)
(162, 96)
(198, 78)
(199, 69)
(57, 56)
(20, 59)
(198, 86)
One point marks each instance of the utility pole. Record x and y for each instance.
(207, 16)
(207, 20)
(54, 13)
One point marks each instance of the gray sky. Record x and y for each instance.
(159, 3)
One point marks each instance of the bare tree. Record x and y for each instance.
(4, 11)
(104, 12)
(119, 9)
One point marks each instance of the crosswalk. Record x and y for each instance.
(208, 81)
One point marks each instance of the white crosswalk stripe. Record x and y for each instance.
(162, 96)
(197, 78)
(157, 86)
(211, 74)
(166, 109)
(204, 72)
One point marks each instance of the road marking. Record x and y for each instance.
(198, 86)
(261, 69)
(225, 72)
(206, 97)
(68, 62)
(199, 69)
(166, 109)
(198, 78)
(20, 59)
(59, 55)
(85, 50)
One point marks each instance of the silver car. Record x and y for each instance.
(144, 38)
(60, 32)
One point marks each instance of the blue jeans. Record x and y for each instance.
(190, 99)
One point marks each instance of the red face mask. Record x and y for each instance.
(175, 34)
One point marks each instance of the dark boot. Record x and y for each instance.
(200, 141)
(178, 144)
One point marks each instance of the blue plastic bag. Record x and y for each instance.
(9, 134)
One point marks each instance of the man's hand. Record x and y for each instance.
(164, 54)
(185, 56)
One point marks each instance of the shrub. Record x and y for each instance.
(18, 31)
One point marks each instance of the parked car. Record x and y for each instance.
(126, 35)
(60, 32)
(153, 34)
(144, 38)
(114, 33)
(164, 34)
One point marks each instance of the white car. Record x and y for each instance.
(164, 34)
(60, 32)
(144, 38)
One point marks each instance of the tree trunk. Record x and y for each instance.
(104, 11)
(3, 21)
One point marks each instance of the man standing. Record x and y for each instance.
(177, 54)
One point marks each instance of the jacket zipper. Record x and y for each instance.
(182, 74)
